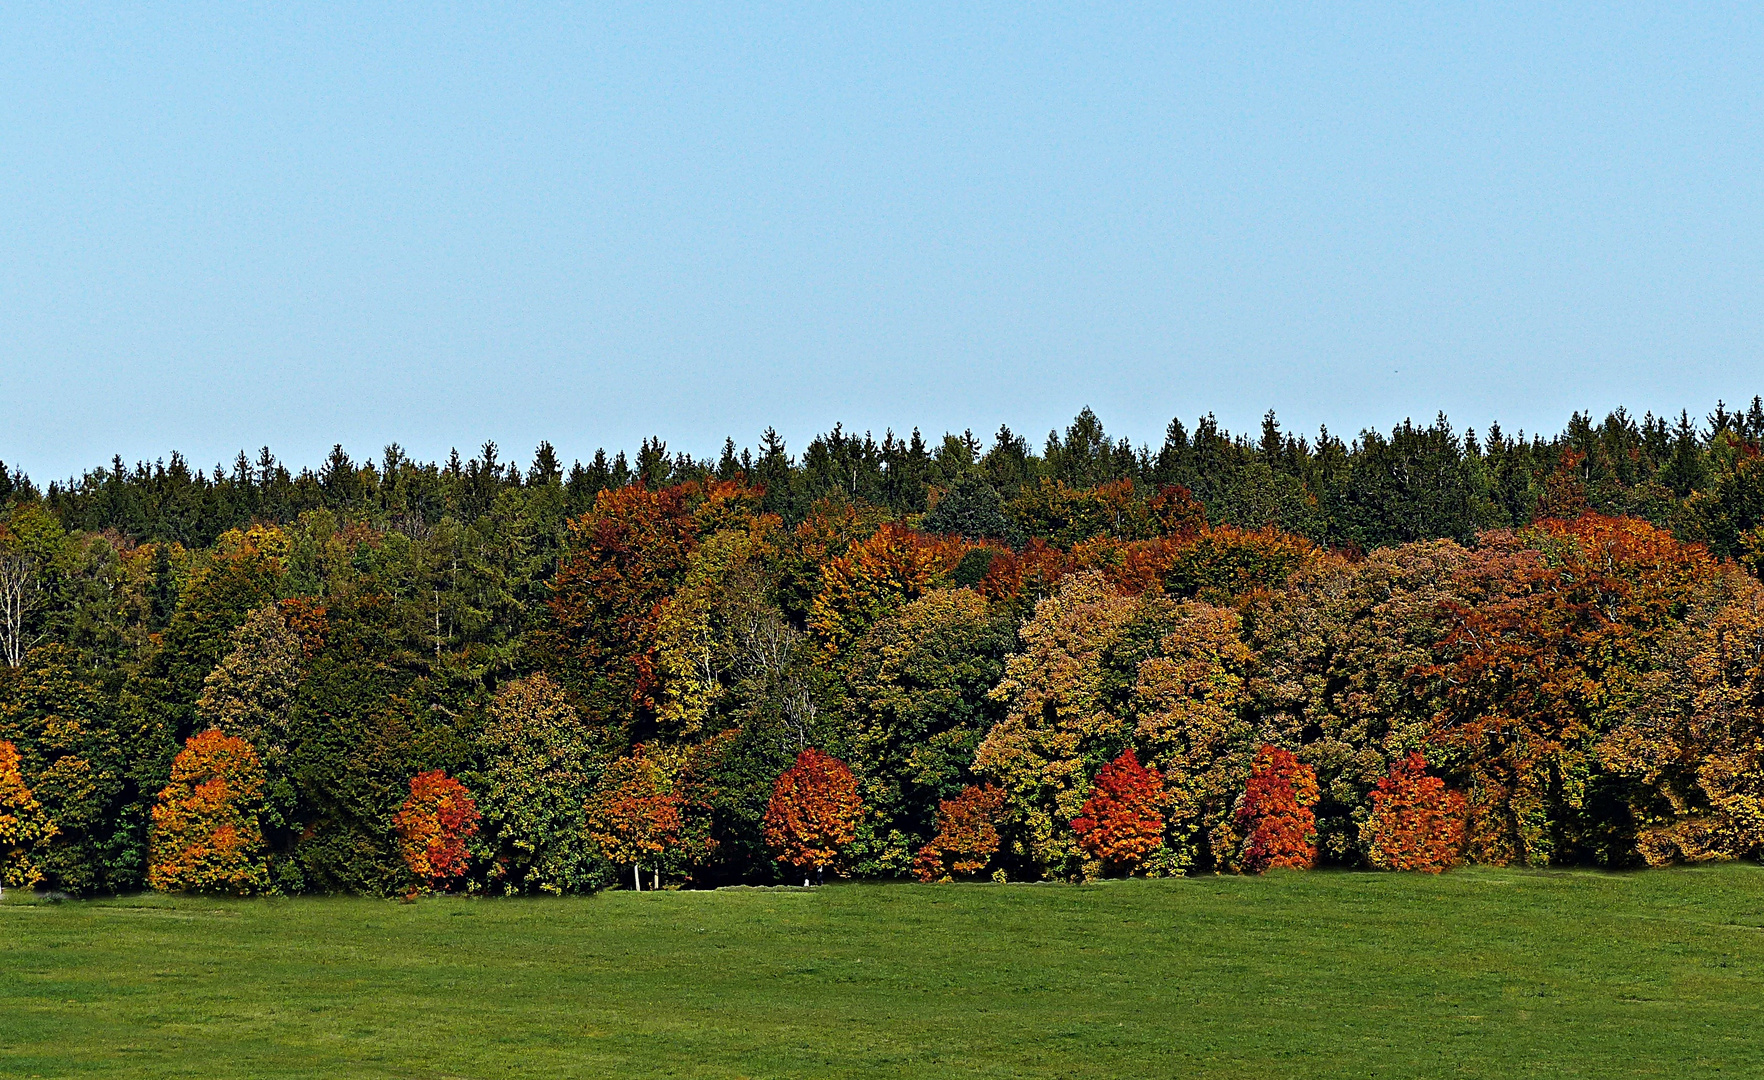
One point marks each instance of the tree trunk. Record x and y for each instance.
(637, 875)
(657, 879)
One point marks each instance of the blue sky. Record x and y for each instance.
(295, 225)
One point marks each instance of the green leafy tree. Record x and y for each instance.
(74, 756)
(366, 718)
(250, 694)
(1060, 723)
(1334, 655)
(540, 766)
(919, 706)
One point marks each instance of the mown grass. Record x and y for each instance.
(1476, 973)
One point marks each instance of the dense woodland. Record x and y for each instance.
(888, 659)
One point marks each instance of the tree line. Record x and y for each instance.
(889, 659)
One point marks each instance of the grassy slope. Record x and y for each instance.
(1477, 973)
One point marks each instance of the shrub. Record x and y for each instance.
(967, 836)
(1280, 831)
(433, 826)
(1122, 822)
(1416, 824)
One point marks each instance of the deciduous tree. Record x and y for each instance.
(1334, 652)
(206, 836)
(1122, 821)
(1059, 724)
(1275, 816)
(540, 766)
(1415, 823)
(79, 761)
(1687, 741)
(1195, 723)
(634, 815)
(814, 811)
(624, 560)
(434, 825)
(875, 577)
(967, 836)
(23, 824)
(919, 705)
(1554, 624)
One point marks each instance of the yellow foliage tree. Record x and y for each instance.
(22, 824)
(1057, 717)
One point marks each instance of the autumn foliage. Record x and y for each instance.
(1122, 821)
(206, 834)
(635, 814)
(1280, 831)
(434, 825)
(1551, 627)
(1416, 823)
(620, 658)
(814, 811)
(967, 836)
(22, 823)
(626, 557)
(878, 575)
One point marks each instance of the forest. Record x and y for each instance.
(895, 659)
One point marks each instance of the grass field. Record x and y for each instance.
(1476, 973)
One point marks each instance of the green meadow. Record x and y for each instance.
(1479, 972)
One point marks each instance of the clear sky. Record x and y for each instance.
(299, 225)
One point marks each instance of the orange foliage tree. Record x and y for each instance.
(1032, 573)
(206, 835)
(635, 814)
(1280, 831)
(1415, 824)
(967, 835)
(814, 812)
(878, 575)
(433, 826)
(22, 824)
(1122, 821)
(1555, 624)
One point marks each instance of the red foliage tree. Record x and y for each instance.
(1416, 824)
(1035, 571)
(433, 826)
(1123, 821)
(1280, 831)
(967, 836)
(305, 615)
(814, 811)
